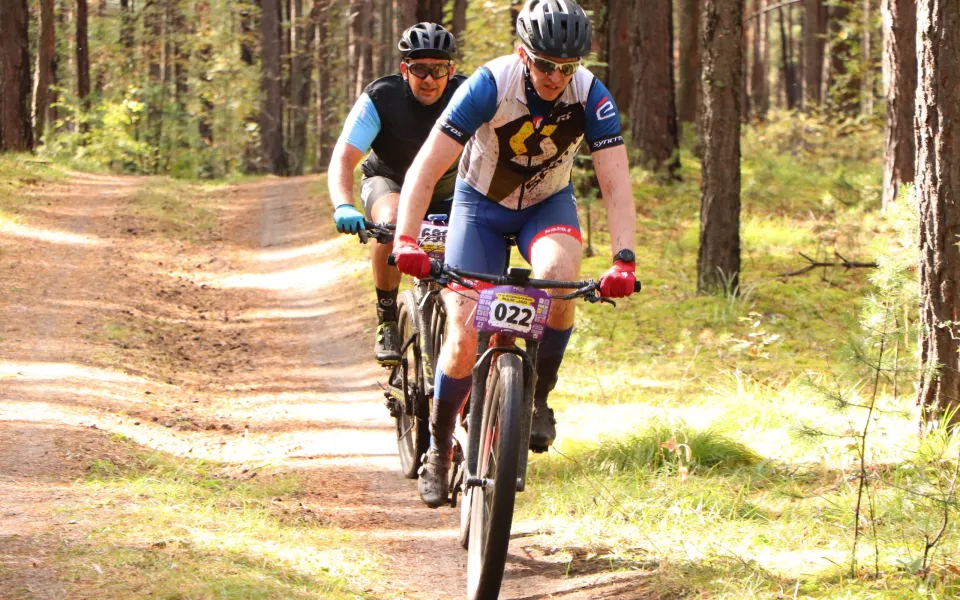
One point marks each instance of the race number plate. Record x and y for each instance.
(515, 310)
(433, 239)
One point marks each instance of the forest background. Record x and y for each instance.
(799, 342)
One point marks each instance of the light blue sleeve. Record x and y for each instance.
(473, 104)
(363, 124)
(602, 128)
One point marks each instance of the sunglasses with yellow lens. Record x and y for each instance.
(548, 66)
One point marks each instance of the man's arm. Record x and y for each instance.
(435, 157)
(340, 172)
(613, 173)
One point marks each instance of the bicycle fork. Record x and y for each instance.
(488, 347)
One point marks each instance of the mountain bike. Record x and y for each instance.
(420, 319)
(498, 414)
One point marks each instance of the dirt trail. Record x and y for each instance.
(251, 349)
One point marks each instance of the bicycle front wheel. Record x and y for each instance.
(491, 510)
(413, 432)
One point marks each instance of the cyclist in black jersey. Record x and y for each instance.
(391, 120)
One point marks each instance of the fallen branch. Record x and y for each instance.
(846, 264)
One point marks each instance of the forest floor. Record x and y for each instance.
(189, 408)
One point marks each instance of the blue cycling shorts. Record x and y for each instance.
(475, 238)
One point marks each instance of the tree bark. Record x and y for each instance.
(388, 39)
(689, 77)
(759, 88)
(406, 15)
(718, 261)
(867, 66)
(900, 83)
(16, 132)
(789, 69)
(814, 47)
(83, 55)
(938, 193)
(271, 84)
(323, 97)
(46, 55)
(459, 24)
(301, 91)
(430, 11)
(153, 53)
(204, 58)
(621, 28)
(653, 109)
(844, 87)
(126, 24)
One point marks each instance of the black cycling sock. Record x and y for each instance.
(448, 397)
(387, 304)
(552, 346)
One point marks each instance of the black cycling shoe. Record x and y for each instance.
(434, 481)
(543, 430)
(386, 348)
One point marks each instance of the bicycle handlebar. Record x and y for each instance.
(382, 232)
(586, 289)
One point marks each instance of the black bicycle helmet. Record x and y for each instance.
(557, 28)
(427, 40)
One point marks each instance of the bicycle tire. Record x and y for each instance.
(491, 512)
(413, 432)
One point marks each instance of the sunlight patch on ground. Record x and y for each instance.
(41, 371)
(324, 249)
(308, 278)
(9, 228)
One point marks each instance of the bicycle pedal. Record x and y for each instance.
(392, 405)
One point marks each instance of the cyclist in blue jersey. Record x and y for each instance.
(392, 119)
(519, 121)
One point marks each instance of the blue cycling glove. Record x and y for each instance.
(348, 219)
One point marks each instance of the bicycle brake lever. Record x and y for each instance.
(364, 236)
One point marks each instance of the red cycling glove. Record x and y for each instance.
(411, 259)
(619, 280)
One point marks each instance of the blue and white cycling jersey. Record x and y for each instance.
(518, 151)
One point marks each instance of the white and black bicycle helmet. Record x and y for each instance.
(558, 28)
(427, 40)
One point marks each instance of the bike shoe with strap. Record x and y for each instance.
(386, 348)
(434, 481)
(543, 430)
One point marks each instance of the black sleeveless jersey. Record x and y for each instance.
(404, 127)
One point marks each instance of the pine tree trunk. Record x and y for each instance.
(126, 24)
(621, 28)
(938, 192)
(301, 91)
(181, 58)
(459, 18)
(844, 87)
(16, 132)
(814, 47)
(271, 83)
(388, 39)
(406, 15)
(718, 261)
(83, 55)
(46, 55)
(900, 83)
(867, 66)
(689, 77)
(759, 92)
(653, 108)
(153, 52)
(430, 11)
(323, 97)
(204, 56)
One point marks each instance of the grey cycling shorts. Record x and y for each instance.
(374, 188)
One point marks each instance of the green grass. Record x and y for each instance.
(174, 528)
